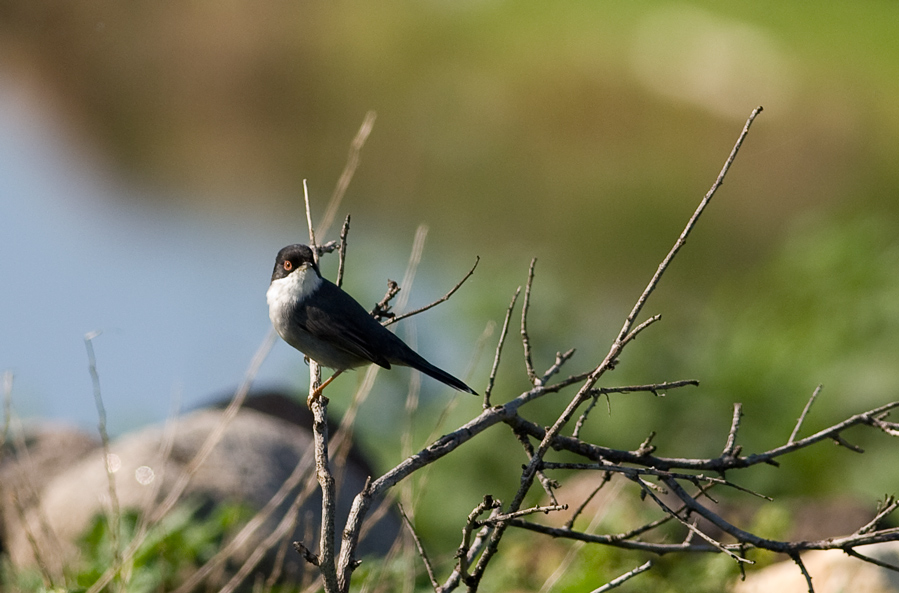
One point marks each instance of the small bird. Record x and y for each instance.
(319, 319)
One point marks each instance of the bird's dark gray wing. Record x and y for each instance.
(339, 320)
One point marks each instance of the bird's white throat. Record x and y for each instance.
(285, 293)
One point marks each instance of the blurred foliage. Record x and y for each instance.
(581, 133)
(556, 128)
(177, 545)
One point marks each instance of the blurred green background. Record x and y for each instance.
(583, 134)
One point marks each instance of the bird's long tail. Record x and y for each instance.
(417, 362)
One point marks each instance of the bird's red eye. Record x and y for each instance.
(288, 265)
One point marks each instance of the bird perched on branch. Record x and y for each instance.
(326, 324)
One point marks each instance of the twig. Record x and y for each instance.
(525, 340)
(870, 559)
(418, 248)
(730, 447)
(115, 515)
(617, 541)
(381, 310)
(548, 485)
(891, 428)
(597, 392)
(493, 520)
(805, 410)
(653, 388)
(580, 508)
(488, 504)
(312, 243)
(839, 440)
(341, 258)
(442, 299)
(648, 489)
(808, 578)
(889, 505)
(636, 331)
(499, 349)
(421, 549)
(348, 170)
(582, 419)
(689, 228)
(561, 358)
(474, 549)
(717, 464)
(616, 582)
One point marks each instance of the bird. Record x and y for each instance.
(329, 326)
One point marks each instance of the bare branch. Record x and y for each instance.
(442, 299)
(871, 560)
(730, 447)
(648, 489)
(493, 520)
(548, 485)
(312, 243)
(525, 340)
(488, 504)
(839, 440)
(655, 389)
(805, 410)
(381, 310)
(624, 336)
(499, 349)
(808, 578)
(341, 261)
(582, 419)
(888, 505)
(718, 464)
(580, 509)
(616, 582)
(421, 549)
(561, 358)
(636, 331)
(617, 541)
(638, 307)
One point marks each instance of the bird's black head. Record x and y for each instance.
(293, 257)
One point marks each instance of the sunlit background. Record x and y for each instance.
(151, 165)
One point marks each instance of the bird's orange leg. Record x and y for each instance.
(318, 390)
